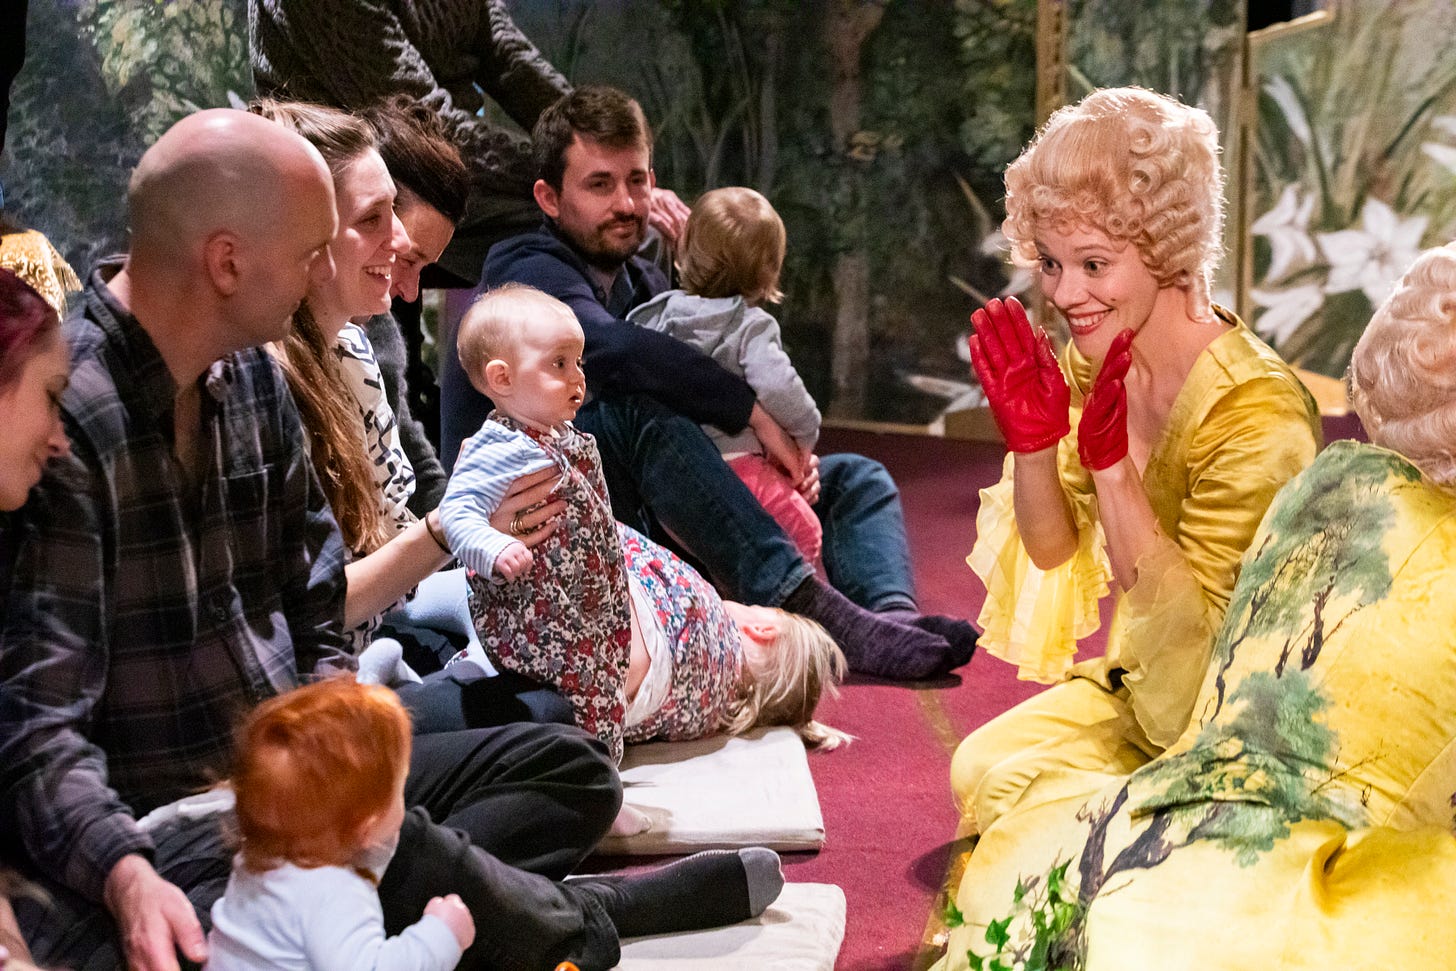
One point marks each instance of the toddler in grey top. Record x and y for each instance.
(731, 256)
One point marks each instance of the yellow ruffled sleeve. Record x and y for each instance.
(1033, 618)
(1252, 441)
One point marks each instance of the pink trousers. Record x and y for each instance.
(773, 490)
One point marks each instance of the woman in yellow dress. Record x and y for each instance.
(1186, 426)
(1304, 820)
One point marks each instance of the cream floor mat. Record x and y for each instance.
(721, 793)
(802, 931)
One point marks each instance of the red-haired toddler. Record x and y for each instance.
(320, 800)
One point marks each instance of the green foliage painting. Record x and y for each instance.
(878, 128)
(102, 79)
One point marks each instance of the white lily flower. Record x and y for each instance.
(1443, 155)
(1286, 226)
(996, 242)
(1021, 281)
(1021, 278)
(1285, 310)
(1373, 257)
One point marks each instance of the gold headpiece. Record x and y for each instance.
(30, 256)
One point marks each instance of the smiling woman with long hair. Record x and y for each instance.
(366, 476)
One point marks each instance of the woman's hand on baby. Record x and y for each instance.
(1102, 432)
(514, 561)
(456, 915)
(1018, 370)
(530, 511)
(668, 214)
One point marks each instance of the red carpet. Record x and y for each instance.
(886, 798)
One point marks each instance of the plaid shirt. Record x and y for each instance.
(146, 613)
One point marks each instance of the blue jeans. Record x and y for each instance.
(866, 553)
(662, 471)
(441, 602)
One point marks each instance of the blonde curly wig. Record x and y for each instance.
(1402, 374)
(1138, 166)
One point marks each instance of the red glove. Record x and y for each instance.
(1102, 432)
(1024, 386)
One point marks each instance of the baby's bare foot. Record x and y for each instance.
(630, 821)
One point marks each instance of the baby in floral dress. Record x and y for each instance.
(560, 613)
(641, 646)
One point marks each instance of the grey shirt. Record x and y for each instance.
(745, 341)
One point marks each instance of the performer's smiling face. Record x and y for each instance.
(1101, 285)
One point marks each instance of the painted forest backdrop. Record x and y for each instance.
(879, 129)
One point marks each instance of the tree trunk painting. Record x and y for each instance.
(848, 26)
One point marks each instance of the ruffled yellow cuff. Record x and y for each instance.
(1033, 618)
(1167, 625)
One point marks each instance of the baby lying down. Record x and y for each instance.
(636, 640)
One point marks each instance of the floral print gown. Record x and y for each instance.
(1305, 818)
(568, 621)
(706, 651)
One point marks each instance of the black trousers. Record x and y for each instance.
(519, 806)
(462, 697)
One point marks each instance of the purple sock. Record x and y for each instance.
(959, 633)
(873, 643)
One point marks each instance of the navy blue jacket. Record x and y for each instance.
(622, 357)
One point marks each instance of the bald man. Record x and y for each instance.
(182, 565)
(141, 618)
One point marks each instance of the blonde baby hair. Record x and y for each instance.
(493, 326)
(733, 245)
(786, 687)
